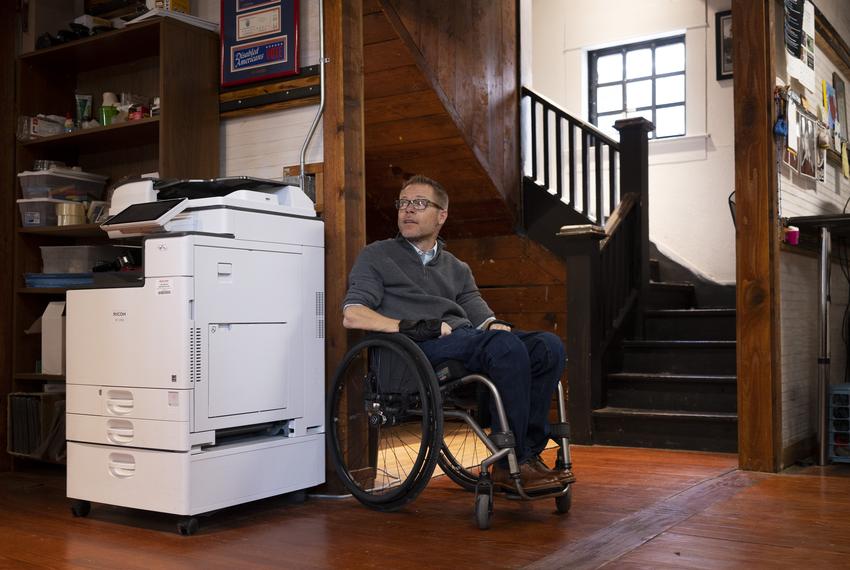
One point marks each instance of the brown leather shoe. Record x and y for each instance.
(532, 480)
(563, 476)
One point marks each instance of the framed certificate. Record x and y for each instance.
(259, 40)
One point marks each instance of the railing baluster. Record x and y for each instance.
(600, 210)
(571, 136)
(585, 174)
(545, 147)
(533, 106)
(559, 186)
(612, 178)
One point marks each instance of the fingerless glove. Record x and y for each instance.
(424, 329)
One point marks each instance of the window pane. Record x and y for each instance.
(605, 124)
(639, 94)
(670, 121)
(670, 58)
(670, 90)
(609, 68)
(609, 98)
(639, 63)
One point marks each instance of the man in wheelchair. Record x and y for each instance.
(410, 284)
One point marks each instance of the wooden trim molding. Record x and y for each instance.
(757, 239)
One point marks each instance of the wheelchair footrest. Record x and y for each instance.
(559, 430)
(503, 439)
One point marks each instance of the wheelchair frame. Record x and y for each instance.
(407, 396)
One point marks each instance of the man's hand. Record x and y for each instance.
(500, 325)
(445, 329)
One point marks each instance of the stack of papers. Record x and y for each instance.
(189, 19)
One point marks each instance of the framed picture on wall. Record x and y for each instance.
(723, 44)
(259, 40)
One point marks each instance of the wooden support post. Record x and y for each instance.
(580, 250)
(343, 185)
(757, 238)
(634, 178)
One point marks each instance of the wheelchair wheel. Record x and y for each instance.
(565, 501)
(385, 421)
(461, 453)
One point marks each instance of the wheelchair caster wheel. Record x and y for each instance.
(483, 510)
(188, 526)
(80, 508)
(565, 501)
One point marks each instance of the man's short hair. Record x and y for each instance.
(439, 192)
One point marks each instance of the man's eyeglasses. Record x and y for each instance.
(418, 204)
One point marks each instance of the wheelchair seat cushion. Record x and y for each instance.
(450, 370)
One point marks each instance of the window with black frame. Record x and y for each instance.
(643, 79)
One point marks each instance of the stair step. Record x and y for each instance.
(693, 393)
(671, 295)
(669, 429)
(611, 411)
(700, 357)
(690, 324)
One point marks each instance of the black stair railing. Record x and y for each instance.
(569, 158)
(607, 259)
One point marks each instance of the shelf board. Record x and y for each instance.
(101, 50)
(34, 377)
(42, 290)
(81, 231)
(129, 133)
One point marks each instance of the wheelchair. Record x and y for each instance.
(392, 418)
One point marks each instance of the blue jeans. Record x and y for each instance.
(524, 366)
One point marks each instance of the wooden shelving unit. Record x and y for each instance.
(164, 58)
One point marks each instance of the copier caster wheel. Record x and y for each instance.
(188, 526)
(80, 508)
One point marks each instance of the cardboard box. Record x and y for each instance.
(53, 338)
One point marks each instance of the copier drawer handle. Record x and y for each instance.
(119, 432)
(121, 466)
(119, 402)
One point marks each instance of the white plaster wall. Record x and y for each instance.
(261, 145)
(690, 177)
(799, 278)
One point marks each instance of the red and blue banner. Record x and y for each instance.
(259, 40)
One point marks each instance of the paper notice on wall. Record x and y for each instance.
(845, 164)
(802, 67)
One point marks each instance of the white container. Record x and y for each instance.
(39, 183)
(38, 211)
(76, 258)
(53, 338)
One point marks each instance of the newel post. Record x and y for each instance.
(634, 177)
(580, 249)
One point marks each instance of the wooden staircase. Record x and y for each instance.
(676, 386)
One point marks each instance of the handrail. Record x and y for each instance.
(588, 159)
(618, 216)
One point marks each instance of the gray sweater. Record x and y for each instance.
(388, 277)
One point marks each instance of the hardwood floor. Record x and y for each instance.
(632, 508)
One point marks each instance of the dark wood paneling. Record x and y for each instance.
(468, 50)
(182, 112)
(8, 209)
(757, 246)
(412, 126)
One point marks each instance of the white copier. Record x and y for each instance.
(202, 386)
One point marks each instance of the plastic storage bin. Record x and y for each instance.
(839, 423)
(67, 182)
(76, 258)
(39, 211)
